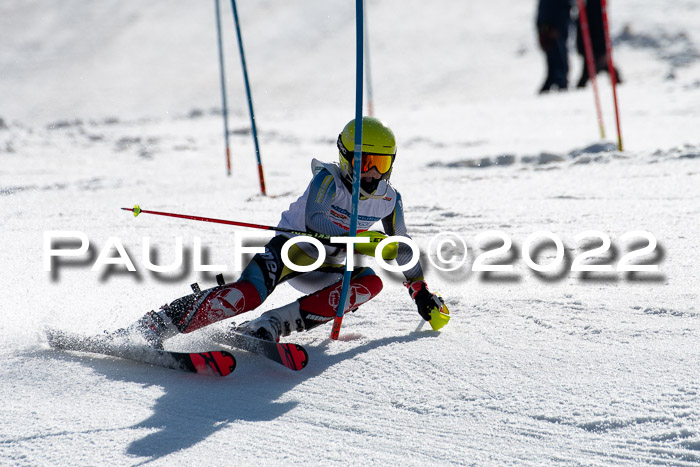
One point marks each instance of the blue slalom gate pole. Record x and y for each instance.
(368, 67)
(250, 97)
(357, 169)
(222, 76)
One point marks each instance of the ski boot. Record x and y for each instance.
(153, 328)
(273, 324)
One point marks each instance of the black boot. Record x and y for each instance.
(155, 327)
(584, 78)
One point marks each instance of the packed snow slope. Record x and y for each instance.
(112, 103)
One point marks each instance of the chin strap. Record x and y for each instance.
(364, 194)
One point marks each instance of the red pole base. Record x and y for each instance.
(337, 323)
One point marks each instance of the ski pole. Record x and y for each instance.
(357, 169)
(250, 98)
(611, 70)
(137, 210)
(590, 61)
(223, 89)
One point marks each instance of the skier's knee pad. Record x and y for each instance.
(322, 306)
(194, 311)
(365, 287)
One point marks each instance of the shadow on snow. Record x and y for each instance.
(194, 407)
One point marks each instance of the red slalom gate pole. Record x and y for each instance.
(590, 62)
(611, 70)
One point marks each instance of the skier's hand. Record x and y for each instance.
(431, 307)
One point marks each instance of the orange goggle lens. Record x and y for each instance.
(380, 162)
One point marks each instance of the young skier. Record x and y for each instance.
(323, 208)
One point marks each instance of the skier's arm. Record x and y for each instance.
(394, 225)
(318, 204)
(430, 306)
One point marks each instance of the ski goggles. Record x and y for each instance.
(381, 162)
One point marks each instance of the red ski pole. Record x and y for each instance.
(590, 61)
(611, 70)
(137, 210)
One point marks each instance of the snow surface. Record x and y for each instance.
(107, 104)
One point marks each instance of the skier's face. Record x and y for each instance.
(371, 174)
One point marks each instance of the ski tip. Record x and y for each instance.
(305, 360)
(227, 363)
(293, 356)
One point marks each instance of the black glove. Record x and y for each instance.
(425, 301)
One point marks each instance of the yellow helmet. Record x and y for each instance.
(378, 151)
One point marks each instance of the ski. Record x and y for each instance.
(293, 356)
(213, 363)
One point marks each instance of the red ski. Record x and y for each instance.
(213, 363)
(293, 356)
